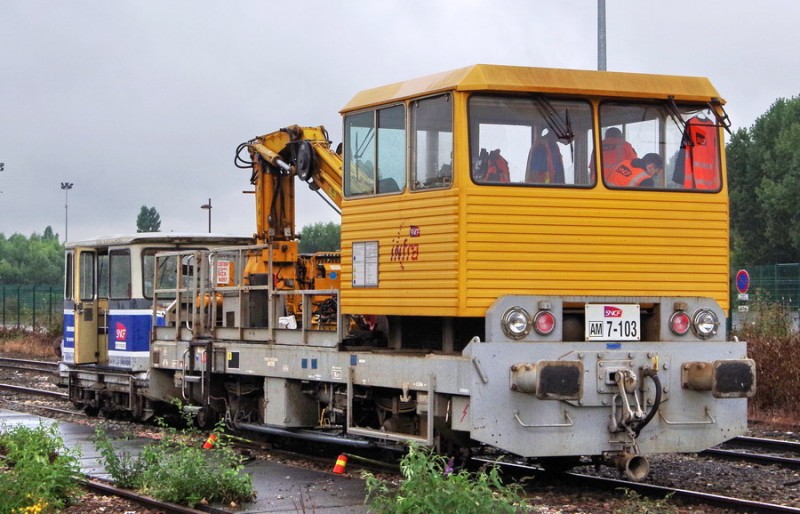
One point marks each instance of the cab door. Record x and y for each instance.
(87, 348)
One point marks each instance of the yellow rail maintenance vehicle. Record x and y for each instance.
(534, 260)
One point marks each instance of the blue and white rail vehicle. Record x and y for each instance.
(108, 315)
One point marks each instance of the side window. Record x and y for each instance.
(432, 145)
(148, 271)
(102, 275)
(69, 277)
(375, 152)
(120, 273)
(86, 285)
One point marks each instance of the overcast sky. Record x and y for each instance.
(144, 102)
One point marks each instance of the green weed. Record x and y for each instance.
(38, 474)
(178, 470)
(638, 504)
(428, 487)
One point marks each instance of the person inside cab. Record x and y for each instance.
(491, 167)
(614, 151)
(636, 172)
(545, 164)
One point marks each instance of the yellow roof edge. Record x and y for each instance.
(492, 77)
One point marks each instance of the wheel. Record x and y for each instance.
(205, 418)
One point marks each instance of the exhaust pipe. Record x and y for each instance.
(634, 467)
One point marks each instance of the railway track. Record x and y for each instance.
(144, 501)
(29, 365)
(721, 501)
(784, 453)
(749, 449)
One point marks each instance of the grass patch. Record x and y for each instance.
(38, 344)
(176, 469)
(430, 486)
(38, 474)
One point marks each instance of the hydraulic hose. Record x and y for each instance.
(653, 374)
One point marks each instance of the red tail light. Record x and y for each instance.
(544, 323)
(679, 323)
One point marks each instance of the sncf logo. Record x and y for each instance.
(612, 312)
(121, 333)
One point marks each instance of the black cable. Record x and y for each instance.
(653, 374)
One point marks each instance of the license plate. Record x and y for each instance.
(613, 322)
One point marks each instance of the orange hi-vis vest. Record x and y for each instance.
(614, 151)
(700, 155)
(626, 175)
(497, 168)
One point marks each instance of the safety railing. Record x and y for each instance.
(208, 296)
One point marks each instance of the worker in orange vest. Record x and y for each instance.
(614, 151)
(636, 172)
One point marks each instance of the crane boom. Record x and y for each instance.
(277, 158)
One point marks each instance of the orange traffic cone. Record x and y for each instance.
(341, 463)
(210, 442)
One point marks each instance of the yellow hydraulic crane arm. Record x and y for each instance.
(276, 158)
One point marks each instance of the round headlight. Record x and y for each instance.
(705, 323)
(516, 323)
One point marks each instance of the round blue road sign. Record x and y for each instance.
(742, 281)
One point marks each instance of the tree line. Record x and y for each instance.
(764, 186)
(34, 260)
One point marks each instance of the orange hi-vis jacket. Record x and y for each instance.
(614, 151)
(626, 175)
(700, 155)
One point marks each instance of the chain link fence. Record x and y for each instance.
(31, 306)
(773, 284)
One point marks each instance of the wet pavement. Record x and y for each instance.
(281, 489)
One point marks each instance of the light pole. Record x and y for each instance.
(207, 206)
(601, 35)
(66, 186)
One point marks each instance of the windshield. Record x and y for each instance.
(659, 145)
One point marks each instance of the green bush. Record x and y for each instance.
(767, 329)
(39, 474)
(176, 469)
(429, 486)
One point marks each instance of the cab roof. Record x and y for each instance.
(490, 77)
(173, 238)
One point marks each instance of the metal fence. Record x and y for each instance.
(31, 306)
(775, 283)
(779, 283)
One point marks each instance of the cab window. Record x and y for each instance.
(86, 281)
(375, 152)
(530, 141)
(120, 274)
(660, 145)
(432, 146)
